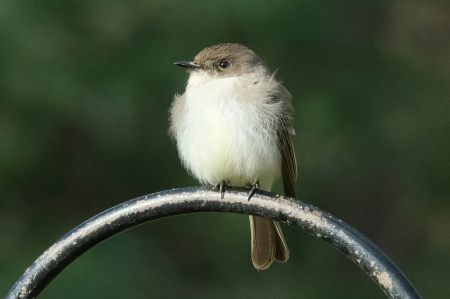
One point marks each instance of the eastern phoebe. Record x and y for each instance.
(232, 126)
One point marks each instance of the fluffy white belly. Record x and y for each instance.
(224, 137)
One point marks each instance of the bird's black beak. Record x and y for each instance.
(187, 64)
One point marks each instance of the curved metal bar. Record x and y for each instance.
(203, 199)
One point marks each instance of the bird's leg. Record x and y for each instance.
(253, 189)
(222, 187)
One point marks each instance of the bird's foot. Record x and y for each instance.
(253, 189)
(222, 187)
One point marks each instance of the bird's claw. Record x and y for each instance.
(253, 189)
(222, 187)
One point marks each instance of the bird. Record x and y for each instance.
(232, 126)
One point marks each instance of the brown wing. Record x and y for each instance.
(284, 130)
(288, 161)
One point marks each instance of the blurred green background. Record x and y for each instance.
(85, 88)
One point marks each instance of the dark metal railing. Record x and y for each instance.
(203, 199)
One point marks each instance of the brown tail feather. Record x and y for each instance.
(268, 243)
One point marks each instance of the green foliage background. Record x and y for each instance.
(85, 88)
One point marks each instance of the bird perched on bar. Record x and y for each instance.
(232, 125)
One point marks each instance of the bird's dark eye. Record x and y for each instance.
(224, 64)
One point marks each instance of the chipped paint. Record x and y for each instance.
(316, 213)
(383, 279)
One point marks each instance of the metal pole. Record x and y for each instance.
(204, 199)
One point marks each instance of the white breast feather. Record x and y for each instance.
(222, 135)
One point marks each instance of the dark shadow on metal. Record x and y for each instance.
(202, 199)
